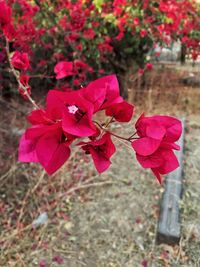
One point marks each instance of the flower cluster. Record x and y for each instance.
(154, 148)
(69, 117)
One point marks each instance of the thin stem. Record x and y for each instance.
(106, 125)
(111, 120)
(116, 135)
(15, 73)
(42, 76)
(132, 136)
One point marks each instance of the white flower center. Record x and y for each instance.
(72, 109)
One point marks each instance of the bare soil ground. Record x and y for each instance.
(95, 220)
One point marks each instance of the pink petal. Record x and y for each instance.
(101, 163)
(38, 117)
(110, 83)
(79, 127)
(168, 146)
(174, 132)
(101, 151)
(173, 127)
(63, 69)
(27, 152)
(82, 128)
(122, 112)
(157, 175)
(39, 130)
(152, 161)
(155, 130)
(145, 146)
(94, 94)
(55, 104)
(170, 162)
(51, 154)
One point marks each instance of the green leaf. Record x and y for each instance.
(128, 50)
(98, 4)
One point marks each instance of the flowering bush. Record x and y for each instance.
(95, 37)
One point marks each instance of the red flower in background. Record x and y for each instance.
(149, 66)
(9, 31)
(141, 71)
(154, 147)
(20, 60)
(89, 33)
(80, 65)
(143, 33)
(77, 20)
(5, 13)
(64, 69)
(136, 21)
(101, 151)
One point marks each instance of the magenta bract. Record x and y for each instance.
(64, 69)
(122, 112)
(101, 151)
(20, 60)
(154, 147)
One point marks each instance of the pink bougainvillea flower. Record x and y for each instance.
(24, 79)
(101, 151)
(79, 64)
(20, 60)
(154, 147)
(76, 112)
(143, 33)
(5, 13)
(9, 31)
(146, 127)
(77, 20)
(89, 34)
(47, 145)
(136, 21)
(64, 69)
(161, 162)
(103, 92)
(164, 128)
(122, 112)
(141, 71)
(149, 66)
(45, 142)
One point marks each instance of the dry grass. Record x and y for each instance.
(96, 221)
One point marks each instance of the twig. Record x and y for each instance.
(30, 191)
(15, 73)
(116, 135)
(85, 186)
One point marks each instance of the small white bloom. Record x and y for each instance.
(72, 109)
